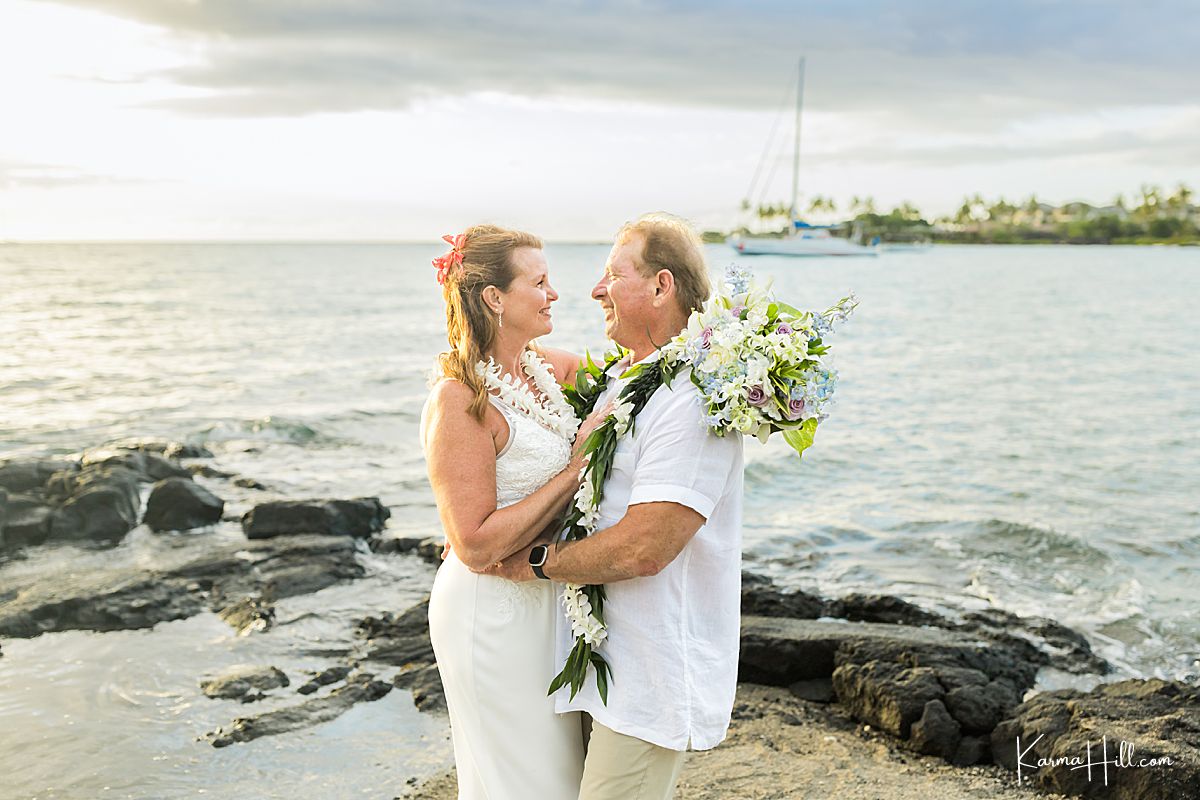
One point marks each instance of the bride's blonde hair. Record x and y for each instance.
(471, 327)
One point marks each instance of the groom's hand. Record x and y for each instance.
(514, 568)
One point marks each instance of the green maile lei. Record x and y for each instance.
(748, 324)
(584, 604)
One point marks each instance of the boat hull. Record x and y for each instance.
(800, 247)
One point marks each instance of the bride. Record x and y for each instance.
(497, 435)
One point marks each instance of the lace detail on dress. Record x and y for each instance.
(532, 457)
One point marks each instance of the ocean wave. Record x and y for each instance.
(270, 429)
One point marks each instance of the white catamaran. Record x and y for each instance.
(803, 239)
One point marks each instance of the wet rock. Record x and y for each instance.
(882, 608)
(249, 483)
(250, 614)
(427, 548)
(106, 598)
(65, 484)
(358, 517)
(1036, 640)
(778, 651)
(399, 640)
(1040, 640)
(103, 503)
(403, 640)
(326, 677)
(1135, 722)
(148, 466)
(936, 733)
(164, 447)
(204, 470)
(239, 682)
(761, 597)
(360, 688)
(30, 474)
(887, 675)
(180, 504)
(425, 683)
(27, 521)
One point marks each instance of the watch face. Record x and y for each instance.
(537, 556)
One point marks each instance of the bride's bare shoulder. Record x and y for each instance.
(448, 396)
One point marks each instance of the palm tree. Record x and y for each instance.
(1001, 211)
(963, 215)
(1181, 201)
(1151, 201)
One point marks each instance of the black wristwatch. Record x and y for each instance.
(537, 558)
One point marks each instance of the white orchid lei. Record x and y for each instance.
(757, 363)
(551, 410)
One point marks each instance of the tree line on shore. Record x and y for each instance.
(1151, 216)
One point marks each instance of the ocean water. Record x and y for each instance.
(1015, 426)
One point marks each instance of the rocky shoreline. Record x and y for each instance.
(908, 702)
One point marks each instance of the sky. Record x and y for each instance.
(401, 121)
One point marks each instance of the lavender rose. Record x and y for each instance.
(755, 396)
(784, 328)
(795, 408)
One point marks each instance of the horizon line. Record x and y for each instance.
(4, 242)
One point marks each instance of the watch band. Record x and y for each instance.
(537, 558)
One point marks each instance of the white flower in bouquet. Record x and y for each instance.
(757, 361)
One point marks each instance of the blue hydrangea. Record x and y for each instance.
(737, 278)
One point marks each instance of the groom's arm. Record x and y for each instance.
(677, 482)
(643, 543)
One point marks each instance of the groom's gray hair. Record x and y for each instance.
(671, 243)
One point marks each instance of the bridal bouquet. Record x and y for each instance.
(757, 363)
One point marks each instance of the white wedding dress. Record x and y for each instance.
(494, 642)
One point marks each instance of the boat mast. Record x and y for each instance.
(796, 152)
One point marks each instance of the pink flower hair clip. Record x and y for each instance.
(453, 259)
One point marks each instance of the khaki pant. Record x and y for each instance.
(620, 767)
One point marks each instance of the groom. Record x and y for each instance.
(667, 544)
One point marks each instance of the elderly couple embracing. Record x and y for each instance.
(504, 452)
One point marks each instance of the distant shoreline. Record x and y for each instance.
(708, 239)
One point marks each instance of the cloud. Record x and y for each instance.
(964, 65)
(18, 175)
(1164, 145)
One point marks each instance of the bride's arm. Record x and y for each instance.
(461, 458)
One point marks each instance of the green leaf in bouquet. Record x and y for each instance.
(801, 438)
(796, 313)
(788, 374)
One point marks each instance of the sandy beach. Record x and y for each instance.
(781, 746)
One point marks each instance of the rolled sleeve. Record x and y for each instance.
(680, 460)
(664, 493)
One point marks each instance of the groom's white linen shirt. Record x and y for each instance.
(673, 638)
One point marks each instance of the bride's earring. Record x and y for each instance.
(500, 319)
